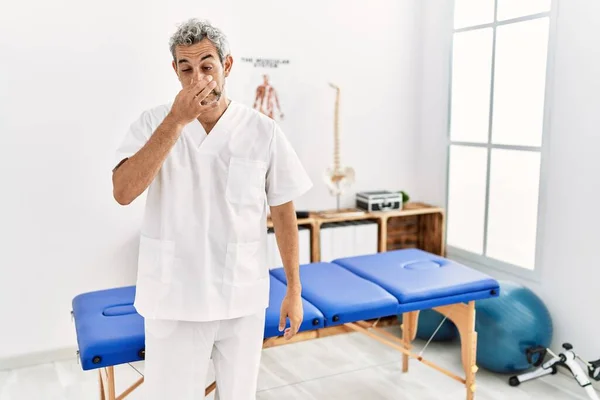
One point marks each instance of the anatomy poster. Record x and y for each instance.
(261, 83)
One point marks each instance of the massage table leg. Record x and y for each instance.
(110, 371)
(409, 333)
(101, 383)
(210, 388)
(106, 376)
(463, 316)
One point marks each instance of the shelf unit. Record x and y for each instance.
(417, 225)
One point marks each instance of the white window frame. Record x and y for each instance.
(478, 260)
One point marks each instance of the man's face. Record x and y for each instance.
(201, 59)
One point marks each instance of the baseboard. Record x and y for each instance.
(42, 357)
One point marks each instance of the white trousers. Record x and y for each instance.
(178, 355)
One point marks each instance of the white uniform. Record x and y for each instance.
(203, 280)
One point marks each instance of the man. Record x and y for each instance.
(211, 166)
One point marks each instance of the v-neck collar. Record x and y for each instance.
(196, 132)
(219, 133)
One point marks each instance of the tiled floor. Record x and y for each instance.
(349, 367)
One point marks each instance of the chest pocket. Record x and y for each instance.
(246, 181)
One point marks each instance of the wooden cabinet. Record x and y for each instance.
(417, 225)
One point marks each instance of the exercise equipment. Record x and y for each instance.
(509, 325)
(346, 295)
(567, 359)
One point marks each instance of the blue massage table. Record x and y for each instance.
(346, 295)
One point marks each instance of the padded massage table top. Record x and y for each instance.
(110, 332)
(313, 318)
(421, 280)
(109, 329)
(341, 295)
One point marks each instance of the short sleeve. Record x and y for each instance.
(135, 138)
(286, 177)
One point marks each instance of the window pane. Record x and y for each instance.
(466, 197)
(508, 9)
(520, 82)
(473, 12)
(513, 206)
(471, 85)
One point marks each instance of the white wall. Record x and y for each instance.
(570, 273)
(74, 74)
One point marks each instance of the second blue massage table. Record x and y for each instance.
(345, 295)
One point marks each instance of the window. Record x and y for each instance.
(496, 130)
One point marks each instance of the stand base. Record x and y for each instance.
(516, 380)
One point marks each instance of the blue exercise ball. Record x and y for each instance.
(508, 325)
(428, 323)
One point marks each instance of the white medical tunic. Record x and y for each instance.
(202, 250)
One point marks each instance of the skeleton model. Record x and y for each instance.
(266, 98)
(337, 177)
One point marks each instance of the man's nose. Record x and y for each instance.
(198, 76)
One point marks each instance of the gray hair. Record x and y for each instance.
(193, 31)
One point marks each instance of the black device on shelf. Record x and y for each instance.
(379, 200)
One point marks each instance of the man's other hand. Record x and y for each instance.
(291, 308)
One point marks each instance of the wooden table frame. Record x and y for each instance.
(461, 314)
